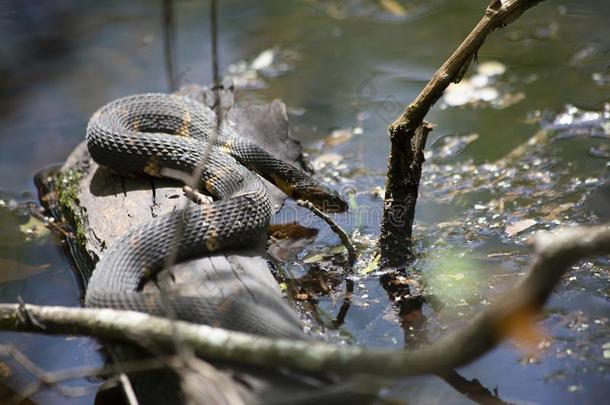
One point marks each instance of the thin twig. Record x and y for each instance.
(557, 252)
(194, 180)
(168, 43)
(352, 253)
(214, 53)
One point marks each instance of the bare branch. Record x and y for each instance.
(556, 253)
(409, 133)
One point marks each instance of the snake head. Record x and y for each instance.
(321, 197)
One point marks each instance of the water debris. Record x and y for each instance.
(606, 350)
(554, 212)
(601, 78)
(481, 89)
(339, 136)
(272, 62)
(378, 192)
(287, 240)
(393, 7)
(371, 266)
(601, 151)
(324, 254)
(327, 160)
(573, 121)
(519, 226)
(574, 388)
(450, 146)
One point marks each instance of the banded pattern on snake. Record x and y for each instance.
(157, 135)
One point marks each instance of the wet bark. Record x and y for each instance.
(409, 132)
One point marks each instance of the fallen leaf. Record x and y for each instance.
(372, 265)
(301, 296)
(329, 252)
(292, 230)
(519, 226)
(287, 240)
(555, 212)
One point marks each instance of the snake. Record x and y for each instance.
(165, 135)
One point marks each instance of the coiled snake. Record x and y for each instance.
(157, 135)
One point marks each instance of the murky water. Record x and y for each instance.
(350, 67)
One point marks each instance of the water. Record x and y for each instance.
(345, 65)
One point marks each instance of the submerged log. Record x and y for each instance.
(102, 206)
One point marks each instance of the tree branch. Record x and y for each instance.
(408, 134)
(557, 252)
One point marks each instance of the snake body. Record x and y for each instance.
(161, 135)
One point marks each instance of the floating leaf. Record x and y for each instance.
(372, 265)
(292, 230)
(519, 226)
(301, 296)
(287, 240)
(318, 257)
(554, 212)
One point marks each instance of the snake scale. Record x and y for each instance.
(160, 135)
